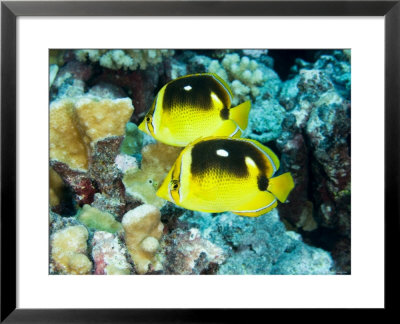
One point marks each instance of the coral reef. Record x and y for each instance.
(143, 183)
(68, 250)
(85, 136)
(143, 230)
(186, 252)
(104, 173)
(259, 245)
(315, 147)
(133, 140)
(109, 255)
(77, 124)
(131, 59)
(93, 218)
(265, 121)
(56, 188)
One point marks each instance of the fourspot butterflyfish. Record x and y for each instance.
(217, 174)
(194, 106)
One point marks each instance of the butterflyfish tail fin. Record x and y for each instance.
(262, 203)
(240, 114)
(281, 186)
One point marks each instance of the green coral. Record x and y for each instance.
(133, 140)
(98, 220)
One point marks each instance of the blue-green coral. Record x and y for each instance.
(133, 141)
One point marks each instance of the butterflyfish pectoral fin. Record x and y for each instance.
(240, 114)
(228, 128)
(262, 203)
(281, 186)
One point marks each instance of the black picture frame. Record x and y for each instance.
(10, 10)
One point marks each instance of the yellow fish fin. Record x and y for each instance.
(281, 186)
(142, 126)
(271, 157)
(228, 128)
(240, 114)
(262, 203)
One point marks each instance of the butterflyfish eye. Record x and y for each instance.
(174, 184)
(148, 119)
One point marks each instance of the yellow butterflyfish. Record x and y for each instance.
(194, 106)
(218, 174)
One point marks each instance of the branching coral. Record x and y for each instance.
(129, 59)
(68, 250)
(244, 75)
(76, 124)
(143, 230)
(143, 183)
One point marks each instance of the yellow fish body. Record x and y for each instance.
(218, 174)
(194, 106)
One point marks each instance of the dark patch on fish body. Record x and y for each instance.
(224, 113)
(198, 96)
(206, 159)
(262, 182)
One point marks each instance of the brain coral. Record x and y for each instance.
(76, 124)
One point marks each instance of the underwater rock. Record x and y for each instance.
(85, 136)
(103, 169)
(140, 85)
(143, 230)
(106, 91)
(82, 186)
(109, 255)
(254, 245)
(117, 206)
(186, 252)
(315, 148)
(68, 251)
(265, 120)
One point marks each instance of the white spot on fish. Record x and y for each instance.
(187, 88)
(250, 161)
(222, 152)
